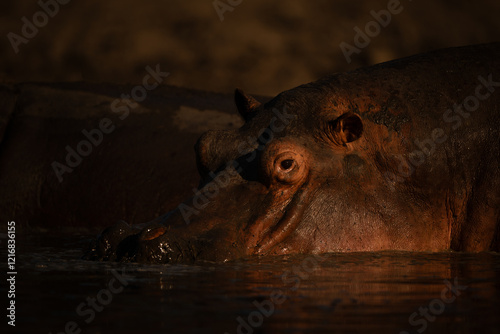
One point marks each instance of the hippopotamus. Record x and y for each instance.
(403, 155)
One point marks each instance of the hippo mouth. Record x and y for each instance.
(263, 234)
(279, 219)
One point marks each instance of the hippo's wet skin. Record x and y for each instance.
(403, 155)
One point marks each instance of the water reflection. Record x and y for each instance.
(334, 293)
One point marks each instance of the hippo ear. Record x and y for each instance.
(347, 128)
(246, 104)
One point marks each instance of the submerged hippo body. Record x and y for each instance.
(404, 155)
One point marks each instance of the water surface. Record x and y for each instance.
(333, 293)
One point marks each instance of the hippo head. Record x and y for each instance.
(266, 188)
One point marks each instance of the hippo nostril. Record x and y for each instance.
(286, 164)
(153, 233)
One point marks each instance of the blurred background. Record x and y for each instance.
(261, 46)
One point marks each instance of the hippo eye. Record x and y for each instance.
(286, 164)
(288, 167)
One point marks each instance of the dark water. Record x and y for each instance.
(334, 293)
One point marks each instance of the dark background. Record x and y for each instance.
(91, 52)
(261, 46)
